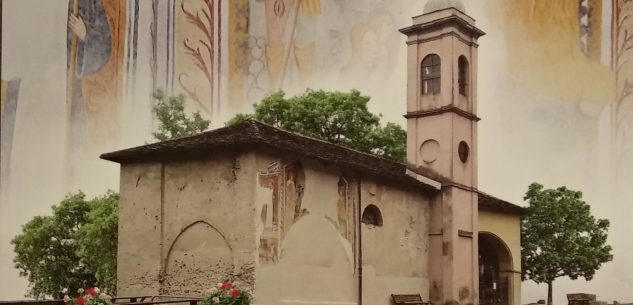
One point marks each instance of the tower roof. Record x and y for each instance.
(436, 5)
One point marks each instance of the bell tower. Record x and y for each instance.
(442, 137)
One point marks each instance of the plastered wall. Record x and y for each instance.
(139, 248)
(395, 255)
(286, 227)
(186, 225)
(314, 260)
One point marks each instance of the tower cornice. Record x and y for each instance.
(435, 24)
(438, 37)
(442, 110)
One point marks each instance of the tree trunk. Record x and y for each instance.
(549, 293)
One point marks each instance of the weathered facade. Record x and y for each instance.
(302, 221)
(286, 222)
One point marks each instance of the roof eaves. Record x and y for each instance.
(494, 204)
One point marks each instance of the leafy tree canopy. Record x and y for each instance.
(173, 122)
(337, 117)
(73, 248)
(560, 237)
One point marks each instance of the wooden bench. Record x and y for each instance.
(408, 299)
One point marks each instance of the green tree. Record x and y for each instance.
(173, 122)
(337, 117)
(560, 237)
(97, 239)
(73, 248)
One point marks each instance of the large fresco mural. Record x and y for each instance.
(96, 35)
(554, 74)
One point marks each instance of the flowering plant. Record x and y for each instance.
(89, 296)
(226, 293)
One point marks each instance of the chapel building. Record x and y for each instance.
(301, 221)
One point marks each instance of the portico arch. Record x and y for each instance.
(496, 281)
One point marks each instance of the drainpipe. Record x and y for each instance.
(360, 246)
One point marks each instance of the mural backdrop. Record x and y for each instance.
(555, 92)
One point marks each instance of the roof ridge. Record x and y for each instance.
(325, 142)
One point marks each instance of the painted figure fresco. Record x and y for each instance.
(8, 107)
(94, 62)
(373, 50)
(225, 55)
(290, 26)
(89, 48)
(269, 241)
(345, 211)
(287, 183)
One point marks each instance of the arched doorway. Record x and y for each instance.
(495, 271)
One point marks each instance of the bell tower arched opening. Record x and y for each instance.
(462, 78)
(431, 74)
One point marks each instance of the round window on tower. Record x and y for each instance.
(430, 150)
(464, 151)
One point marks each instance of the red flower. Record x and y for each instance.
(226, 285)
(80, 300)
(235, 293)
(90, 291)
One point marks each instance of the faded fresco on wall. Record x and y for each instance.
(554, 74)
(345, 210)
(287, 183)
(302, 44)
(303, 233)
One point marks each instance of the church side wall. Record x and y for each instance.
(395, 255)
(285, 227)
(307, 237)
(196, 232)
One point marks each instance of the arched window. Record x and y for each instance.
(431, 74)
(463, 75)
(372, 216)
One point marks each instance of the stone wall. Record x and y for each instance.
(186, 225)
